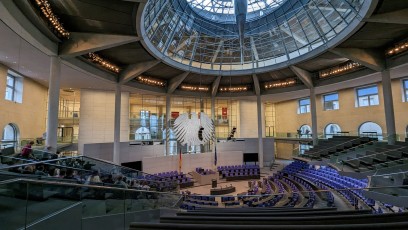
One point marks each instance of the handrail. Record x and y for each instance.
(75, 157)
(33, 161)
(124, 167)
(373, 154)
(389, 174)
(87, 171)
(80, 185)
(177, 194)
(342, 144)
(79, 169)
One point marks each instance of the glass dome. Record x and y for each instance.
(223, 10)
(288, 32)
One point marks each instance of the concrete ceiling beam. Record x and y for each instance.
(176, 81)
(304, 75)
(256, 85)
(393, 17)
(135, 70)
(370, 58)
(215, 86)
(83, 43)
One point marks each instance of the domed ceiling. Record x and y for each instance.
(244, 47)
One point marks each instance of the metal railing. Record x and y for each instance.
(337, 145)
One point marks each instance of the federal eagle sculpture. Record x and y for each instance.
(195, 130)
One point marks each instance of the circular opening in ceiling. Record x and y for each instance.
(223, 11)
(185, 34)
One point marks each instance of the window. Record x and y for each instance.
(405, 86)
(14, 88)
(370, 129)
(142, 133)
(10, 135)
(304, 106)
(367, 96)
(331, 101)
(331, 130)
(304, 132)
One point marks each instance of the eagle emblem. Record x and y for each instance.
(192, 131)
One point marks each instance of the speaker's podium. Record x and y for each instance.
(213, 183)
(205, 179)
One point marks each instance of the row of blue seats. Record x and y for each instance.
(331, 178)
(202, 202)
(227, 198)
(229, 167)
(205, 198)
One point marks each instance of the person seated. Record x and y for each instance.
(119, 181)
(69, 174)
(29, 169)
(108, 179)
(48, 154)
(145, 186)
(94, 178)
(40, 171)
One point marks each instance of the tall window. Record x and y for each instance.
(10, 135)
(14, 88)
(304, 106)
(367, 96)
(305, 132)
(331, 101)
(405, 85)
(331, 130)
(370, 129)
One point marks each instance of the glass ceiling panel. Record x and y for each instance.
(223, 10)
(194, 43)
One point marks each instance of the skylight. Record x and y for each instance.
(223, 10)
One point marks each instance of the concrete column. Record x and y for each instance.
(116, 128)
(260, 140)
(315, 135)
(53, 101)
(388, 106)
(168, 117)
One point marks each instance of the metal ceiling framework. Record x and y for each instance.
(95, 35)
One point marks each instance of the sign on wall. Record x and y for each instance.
(175, 115)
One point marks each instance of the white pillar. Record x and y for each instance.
(260, 140)
(315, 135)
(168, 117)
(388, 106)
(53, 101)
(116, 128)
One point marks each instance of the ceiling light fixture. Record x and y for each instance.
(398, 48)
(46, 10)
(194, 88)
(346, 67)
(234, 89)
(151, 81)
(280, 83)
(95, 58)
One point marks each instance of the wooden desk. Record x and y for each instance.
(222, 191)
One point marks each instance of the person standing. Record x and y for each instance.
(27, 150)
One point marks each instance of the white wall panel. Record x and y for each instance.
(96, 123)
